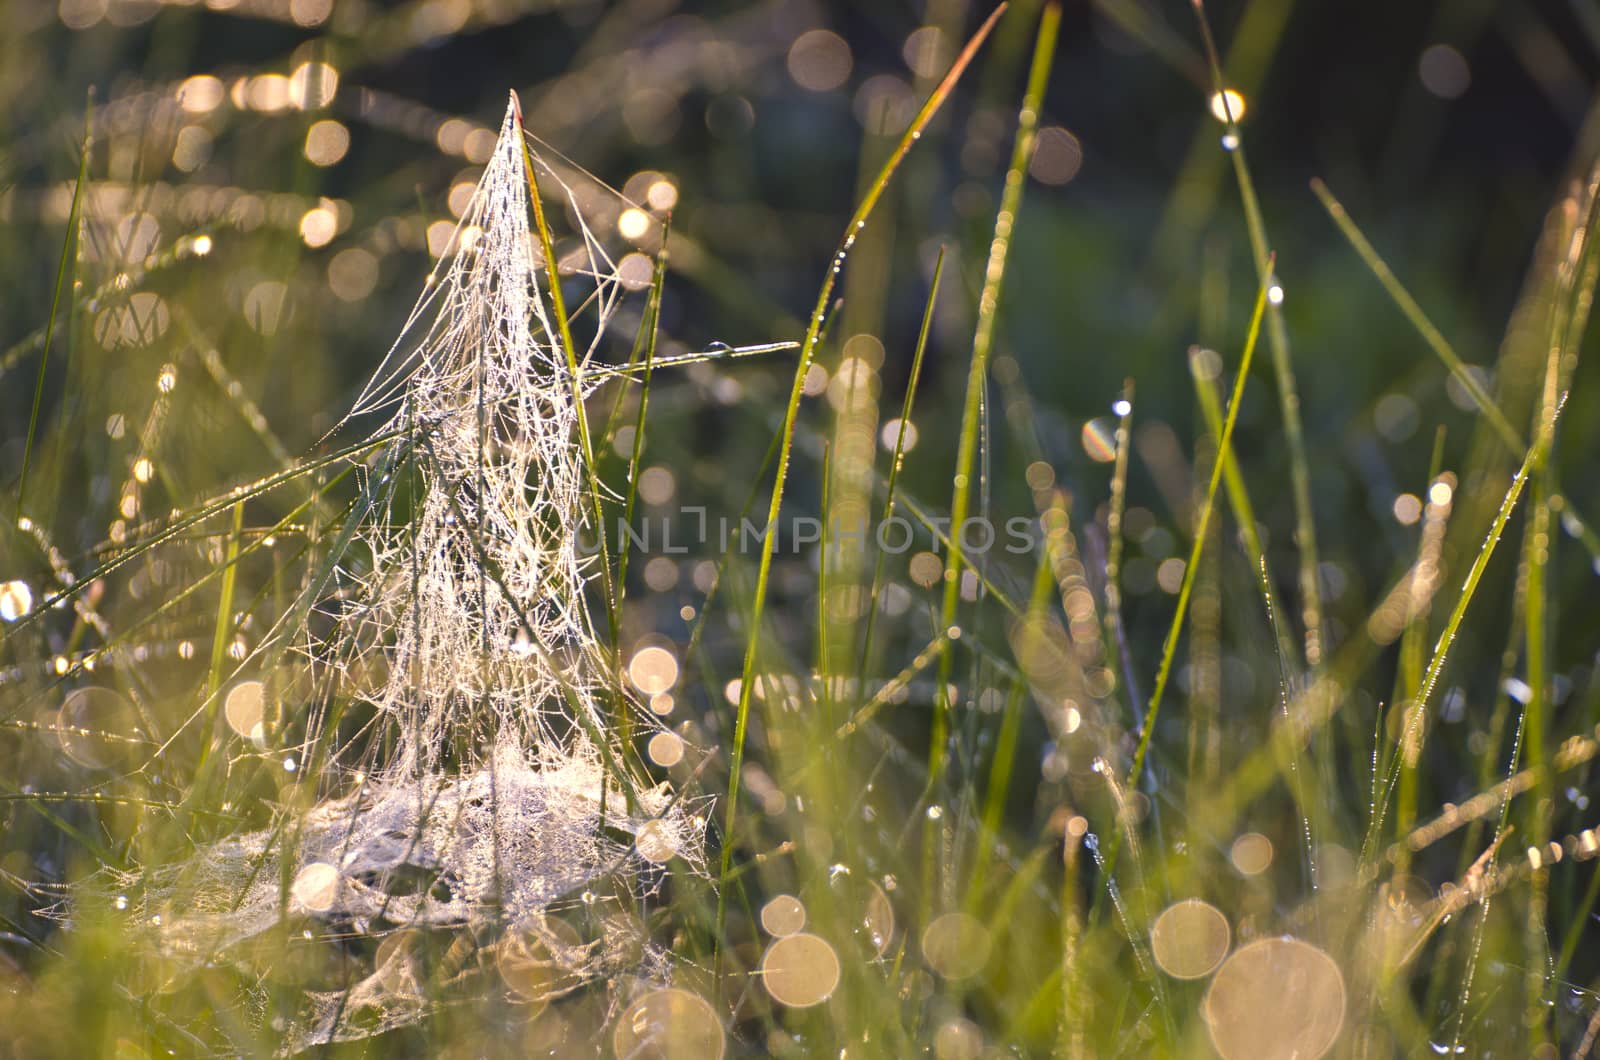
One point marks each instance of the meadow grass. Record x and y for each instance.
(957, 801)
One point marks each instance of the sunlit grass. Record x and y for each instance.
(1217, 764)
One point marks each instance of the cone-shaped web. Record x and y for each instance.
(488, 641)
(501, 790)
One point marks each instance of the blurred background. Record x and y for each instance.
(318, 152)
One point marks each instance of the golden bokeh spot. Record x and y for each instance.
(655, 842)
(800, 970)
(653, 669)
(316, 887)
(1189, 938)
(665, 749)
(543, 961)
(92, 725)
(783, 915)
(245, 707)
(669, 1025)
(1275, 998)
(1251, 854)
(819, 60)
(956, 945)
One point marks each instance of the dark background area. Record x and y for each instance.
(1113, 273)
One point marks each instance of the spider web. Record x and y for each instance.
(484, 793)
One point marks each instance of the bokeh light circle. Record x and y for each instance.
(1275, 998)
(800, 970)
(956, 945)
(669, 1024)
(783, 915)
(1189, 938)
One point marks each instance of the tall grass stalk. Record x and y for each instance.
(808, 348)
(978, 370)
(74, 215)
(1169, 648)
(1282, 362)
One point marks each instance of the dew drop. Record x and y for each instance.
(16, 600)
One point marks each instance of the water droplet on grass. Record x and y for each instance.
(16, 600)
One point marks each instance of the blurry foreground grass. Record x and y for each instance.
(1270, 734)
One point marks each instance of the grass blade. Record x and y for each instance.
(1224, 445)
(73, 214)
(982, 344)
(1282, 366)
(808, 351)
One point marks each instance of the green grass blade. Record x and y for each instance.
(1169, 647)
(1283, 371)
(73, 214)
(808, 350)
(653, 322)
(558, 308)
(1441, 649)
(1418, 319)
(898, 460)
(982, 345)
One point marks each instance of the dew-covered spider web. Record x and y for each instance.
(465, 794)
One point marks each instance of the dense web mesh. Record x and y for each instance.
(498, 799)
(489, 637)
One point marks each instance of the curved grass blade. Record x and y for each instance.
(982, 344)
(808, 348)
